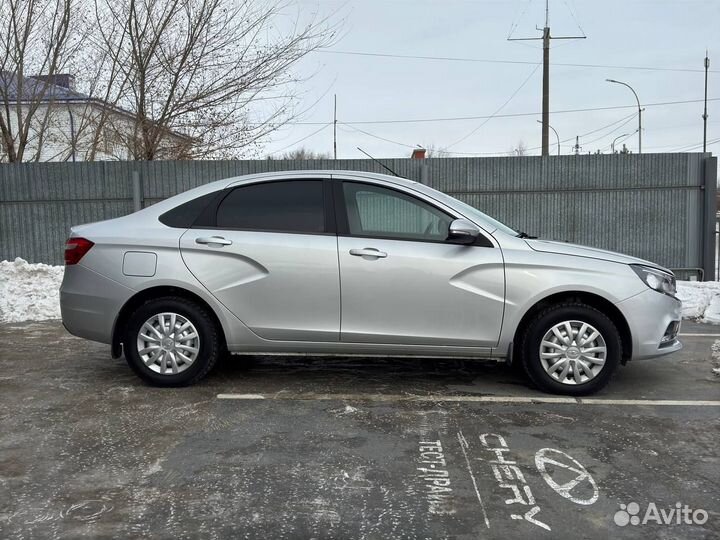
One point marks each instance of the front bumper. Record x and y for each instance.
(90, 302)
(654, 321)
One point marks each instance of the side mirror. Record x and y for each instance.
(462, 231)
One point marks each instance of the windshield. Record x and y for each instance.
(472, 212)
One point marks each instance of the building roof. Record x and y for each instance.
(59, 89)
(44, 88)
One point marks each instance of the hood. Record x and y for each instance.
(563, 248)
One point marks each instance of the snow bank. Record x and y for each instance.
(701, 300)
(29, 292)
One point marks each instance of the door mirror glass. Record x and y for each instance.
(463, 231)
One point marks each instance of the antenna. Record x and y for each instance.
(378, 162)
(546, 75)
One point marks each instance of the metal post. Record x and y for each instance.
(705, 114)
(137, 192)
(708, 236)
(612, 145)
(557, 137)
(72, 132)
(639, 111)
(546, 93)
(424, 172)
(335, 129)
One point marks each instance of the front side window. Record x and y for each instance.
(287, 206)
(376, 211)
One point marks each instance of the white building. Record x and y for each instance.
(70, 126)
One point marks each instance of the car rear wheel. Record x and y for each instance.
(571, 348)
(171, 341)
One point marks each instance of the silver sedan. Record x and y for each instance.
(349, 263)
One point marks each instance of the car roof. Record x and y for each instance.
(325, 173)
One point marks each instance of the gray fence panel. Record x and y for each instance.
(654, 206)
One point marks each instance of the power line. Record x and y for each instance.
(377, 136)
(517, 62)
(611, 131)
(513, 115)
(506, 115)
(326, 125)
(620, 139)
(514, 25)
(697, 146)
(461, 139)
(572, 14)
(624, 119)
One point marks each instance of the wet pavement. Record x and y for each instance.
(352, 448)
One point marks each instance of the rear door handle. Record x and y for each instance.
(214, 240)
(368, 252)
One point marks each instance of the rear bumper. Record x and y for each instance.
(90, 303)
(650, 315)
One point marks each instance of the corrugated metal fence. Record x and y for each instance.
(659, 207)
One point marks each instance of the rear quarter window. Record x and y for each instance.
(185, 215)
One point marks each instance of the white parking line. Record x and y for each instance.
(698, 335)
(308, 396)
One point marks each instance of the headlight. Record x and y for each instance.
(656, 279)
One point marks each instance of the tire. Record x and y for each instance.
(197, 340)
(546, 353)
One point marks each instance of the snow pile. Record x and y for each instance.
(701, 300)
(29, 292)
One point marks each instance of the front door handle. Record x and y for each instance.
(368, 252)
(216, 240)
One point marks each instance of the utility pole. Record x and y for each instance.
(577, 146)
(705, 114)
(546, 37)
(335, 128)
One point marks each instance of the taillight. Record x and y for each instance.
(75, 249)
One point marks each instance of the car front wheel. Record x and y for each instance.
(571, 348)
(171, 341)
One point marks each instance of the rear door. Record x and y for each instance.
(268, 252)
(403, 283)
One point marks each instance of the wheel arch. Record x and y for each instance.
(592, 300)
(151, 293)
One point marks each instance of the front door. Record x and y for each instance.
(270, 257)
(402, 283)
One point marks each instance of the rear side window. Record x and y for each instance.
(289, 206)
(185, 215)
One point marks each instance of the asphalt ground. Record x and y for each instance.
(287, 447)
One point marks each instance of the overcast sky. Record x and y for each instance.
(644, 33)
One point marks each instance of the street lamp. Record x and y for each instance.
(639, 111)
(612, 144)
(556, 135)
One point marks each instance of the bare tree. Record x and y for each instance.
(217, 71)
(434, 151)
(302, 153)
(520, 149)
(36, 37)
